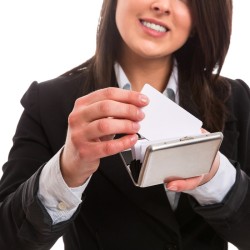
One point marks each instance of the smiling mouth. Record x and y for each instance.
(153, 26)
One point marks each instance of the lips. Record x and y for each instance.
(154, 26)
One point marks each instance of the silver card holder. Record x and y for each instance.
(176, 159)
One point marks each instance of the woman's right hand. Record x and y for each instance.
(92, 124)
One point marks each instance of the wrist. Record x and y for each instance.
(213, 171)
(75, 174)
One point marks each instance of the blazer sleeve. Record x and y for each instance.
(231, 218)
(25, 224)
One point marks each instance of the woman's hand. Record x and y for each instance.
(192, 183)
(92, 124)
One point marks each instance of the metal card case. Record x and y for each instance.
(179, 159)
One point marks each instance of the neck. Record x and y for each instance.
(139, 71)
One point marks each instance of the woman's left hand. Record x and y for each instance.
(192, 183)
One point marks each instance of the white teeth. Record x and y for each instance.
(155, 27)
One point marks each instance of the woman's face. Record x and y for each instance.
(151, 28)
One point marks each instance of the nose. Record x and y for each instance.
(161, 7)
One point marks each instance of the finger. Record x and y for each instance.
(116, 94)
(110, 108)
(96, 150)
(108, 126)
(107, 137)
(185, 184)
(204, 131)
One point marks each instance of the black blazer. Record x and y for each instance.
(114, 214)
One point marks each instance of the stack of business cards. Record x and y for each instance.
(164, 120)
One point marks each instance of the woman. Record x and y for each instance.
(65, 175)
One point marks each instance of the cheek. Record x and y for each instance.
(120, 17)
(121, 28)
(185, 28)
(184, 19)
(125, 19)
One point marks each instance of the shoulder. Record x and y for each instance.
(54, 99)
(239, 94)
(65, 88)
(238, 88)
(235, 144)
(59, 86)
(238, 111)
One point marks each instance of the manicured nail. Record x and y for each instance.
(172, 188)
(134, 138)
(144, 99)
(140, 114)
(136, 126)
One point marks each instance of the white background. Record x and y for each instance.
(41, 39)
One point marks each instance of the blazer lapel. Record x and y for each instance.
(153, 200)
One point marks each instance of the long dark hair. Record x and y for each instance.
(199, 61)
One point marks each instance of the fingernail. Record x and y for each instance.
(136, 126)
(172, 188)
(140, 114)
(144, 99)
(134, 138)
